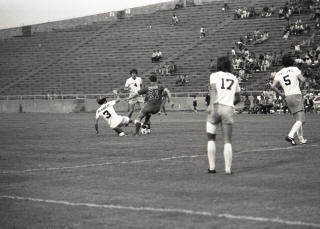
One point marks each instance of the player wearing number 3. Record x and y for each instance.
(107, 112)
(224, 94)
(289, 78)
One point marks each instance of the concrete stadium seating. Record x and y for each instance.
(97, 58)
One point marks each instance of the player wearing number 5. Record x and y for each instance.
(107, 112)
(289, 78)
(224, 94)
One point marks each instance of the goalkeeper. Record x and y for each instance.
(107, 112)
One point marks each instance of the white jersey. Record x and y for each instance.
(107, 112)
(288, 78)
(227, 85)
(134, 85)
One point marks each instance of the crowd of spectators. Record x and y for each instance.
(156, 56)
(182, 79)
(166, 68)
(255, 37)
(267, 11)
(296, 28)
(245, 13)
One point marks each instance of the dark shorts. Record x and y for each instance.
(151, 109)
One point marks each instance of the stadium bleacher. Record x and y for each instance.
(97, 57)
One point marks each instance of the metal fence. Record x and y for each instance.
(94, 96)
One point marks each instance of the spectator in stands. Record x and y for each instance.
(212, 66)
(225, 7)
(233, 52)
(159, 55)
(207, 99)
(154, 57)
(202, 32)
(195, 104)
(174, 20)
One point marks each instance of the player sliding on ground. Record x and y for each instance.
(154, 94)
(107, 112)
(289, 78)
(224, 94)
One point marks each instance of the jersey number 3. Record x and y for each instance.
(107, 114)
(230, 84)
(286, 80)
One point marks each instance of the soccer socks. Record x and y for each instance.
(296, 126)
(300, 136)
(227, 153)
(211, 149)
(138, 126)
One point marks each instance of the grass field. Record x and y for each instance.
(55, 172)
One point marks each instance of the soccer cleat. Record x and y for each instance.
(302, 141)
(291, 140)
(212, 171)
(228, 172)
(122, 134)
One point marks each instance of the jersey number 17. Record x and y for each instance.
(230, 82)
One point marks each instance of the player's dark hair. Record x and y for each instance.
(224, 64)
(153, 78)
(133, 71)
(287, 60)
(101, 101)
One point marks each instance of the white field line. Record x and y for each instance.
(165, 210)
(143, 161)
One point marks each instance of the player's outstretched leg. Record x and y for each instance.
(227, 150)
(301, 117)
(147, 123)
(119, 131)
(211, 147)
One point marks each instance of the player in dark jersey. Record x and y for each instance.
(153, 99)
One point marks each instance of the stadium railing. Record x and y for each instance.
(111, 95)
(94, 96)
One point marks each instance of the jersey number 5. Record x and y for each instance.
(229, 86)
(107, 114)
(286, 80)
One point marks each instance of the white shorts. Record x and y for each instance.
(119, 121)
(138, 99)
(221, 114)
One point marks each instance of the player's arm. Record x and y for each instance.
(237, 96)
(118, 99)
(126, 86)
(169, 96)
(213, 95)
(275, 87)
(96, 124)
(302, 79)
(140, 92)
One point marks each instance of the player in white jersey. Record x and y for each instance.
(289, 79)
(107, 112)
(133, 85)
(224, 94)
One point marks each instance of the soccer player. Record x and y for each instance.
(288, 78)
(107, 112)
(224, 94)
(154, 95)
(133, 85)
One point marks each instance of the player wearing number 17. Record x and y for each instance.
(289, 77)
(107, 112)
(224, 94)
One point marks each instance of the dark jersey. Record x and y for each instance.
(153, 94)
